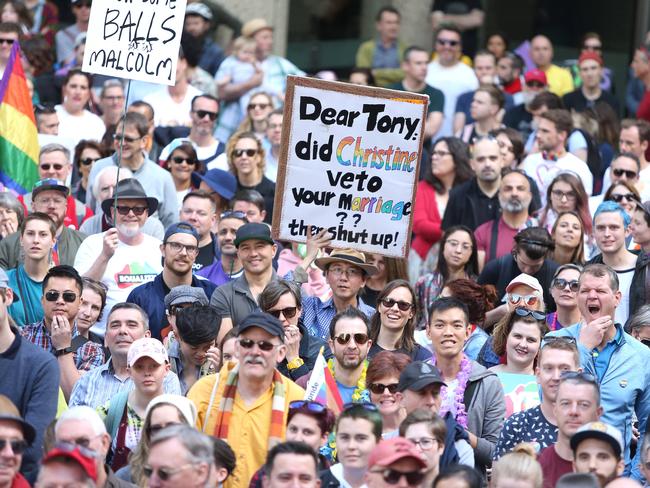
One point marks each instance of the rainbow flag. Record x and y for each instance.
(321, 386)
(18, 135)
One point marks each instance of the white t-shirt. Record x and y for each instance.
(452, 81)
(85, 126)
(624, 283)
(543, 171)
(129, 267)
(167, 112)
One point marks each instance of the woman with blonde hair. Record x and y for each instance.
(519, 467)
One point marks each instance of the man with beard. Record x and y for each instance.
(179, 250)
(597, 449)
(122, 257)
(509, 69)
(247, 403)
(591, 67)
(198, 19)
(228, 267)
(494, 238)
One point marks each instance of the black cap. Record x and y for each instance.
(261, 232)
(418, 375)
(264, 321)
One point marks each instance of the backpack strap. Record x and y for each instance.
(115, 412)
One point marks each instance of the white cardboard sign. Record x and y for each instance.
(349, 162)
(136, 39)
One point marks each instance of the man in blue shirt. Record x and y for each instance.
(616, 359)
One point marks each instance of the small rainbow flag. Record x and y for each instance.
(321, 386)
(18, 135)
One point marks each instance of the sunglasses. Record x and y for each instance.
(627, 172)
(88, 161)
(71, 447)
(236, 214)
(130, 140)
(288, 313)
(524, 312)
(253, 106)
(370, 407)
(402, 305)
(181, 160)
(265, 346)
(529, 300)
(238, 153)
(7, 41)
(359, 338)
(618, 197)
(53, 296)
(56, 166)
(307, 405)
(645, 342)
(379, 388)
(561, 284)
(163, 473)
(579, 375)
(202, 113)
(137, 210)
(18, 446)
(392, 476)
(535, 84)
(154, 429)
(447, 42)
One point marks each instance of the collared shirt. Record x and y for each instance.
(385, 57)
(88, 356)
(602, 358)
(176, 361)
(99, 385)
(234, 300)
(317, 315)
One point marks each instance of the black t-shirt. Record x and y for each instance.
(577, 101)
(520, 119)
(267, 189)
(206, 256)
(460, 7)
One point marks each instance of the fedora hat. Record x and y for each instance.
(350, 256)
(8, 411)
(129, 188)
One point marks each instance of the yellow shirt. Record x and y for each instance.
(249, 426)
(559, 80)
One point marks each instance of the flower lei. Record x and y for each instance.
(360, 393)
(459, 394)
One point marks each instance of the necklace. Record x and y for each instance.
(459, 393)
(360, 393)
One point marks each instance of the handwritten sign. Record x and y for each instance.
(136, 39)
(349, 162)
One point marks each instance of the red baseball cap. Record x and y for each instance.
(391, 450)
(536, 75)
(86, 463)
(590, 55)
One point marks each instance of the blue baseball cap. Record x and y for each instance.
(181, 228)
(220, 181)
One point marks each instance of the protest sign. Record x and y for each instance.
(135, 39)
(349, 163)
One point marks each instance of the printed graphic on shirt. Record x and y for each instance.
(134, 274)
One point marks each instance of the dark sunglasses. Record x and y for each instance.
(253, 106)
(528, 300)
(18, 446)
(379, 388)
(628, 173)
(263, 345)
(359, 338)
(7, 41)
(238, 153)
(130, 140)
(181, 160)
(645, 342)
(578, 375)
(71, 447)
(561, 284)
(370, 407)
(618, 198)
(53, 296)
(154, 429)
(163, 473)
(307, 405)
(447, 42)
(234, 214)
(535, 84)
(47, 166)
(289, 312)
(524, 312)
(202, 113)
(88, 161)
(137, 210)
(392, 476)
(402, 305)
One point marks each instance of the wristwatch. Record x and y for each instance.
(62, 352)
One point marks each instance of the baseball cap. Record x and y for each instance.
(199, 9)
(253, 230)
(525, 279)
(4, 283)
(418, 375)
(186, 294)
(392, 450)
(86, 463)
(590, 55)
(536, 75)
(264, 321)
(8, 411)
(181, 228)
(49, 184)
(601, 431)
(147, 347)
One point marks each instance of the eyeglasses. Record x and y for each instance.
(130, 140)
(178, 247)
(561, 284)
(138, 210)
(87, 161)
(535, 84)
(359, 338)
(370, 407)
(402, 305)
(337, 272)
(528, 300)
(578, 375)
(202, 113)
(173, 310)
(307, 405)
(265, 346)
(392, 476)
(113, 98)
(447, 42)
(379, 388)
(238, 153)
(163, 473)
(181, 160)
(560, 195)
(288, 313)
(440, 154)
(236, 214)
(619, 197)
(253, 106)
(627, 172)
(53, 296)
(71, 447)
(154, 429)
(7, 41)
(18, 446)
(56, 166)
(424, 443)
(524, 312)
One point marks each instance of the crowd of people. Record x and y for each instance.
(153, 332)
